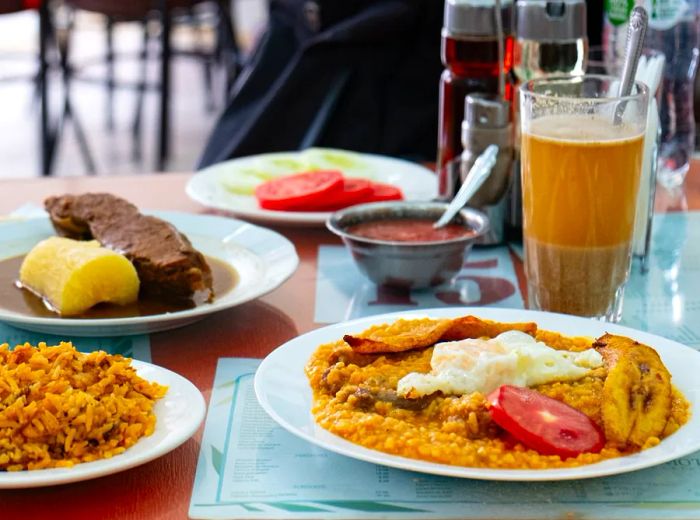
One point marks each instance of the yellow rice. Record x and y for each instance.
(59, 407)
(451, 429)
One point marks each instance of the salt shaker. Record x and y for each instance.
(487, 120)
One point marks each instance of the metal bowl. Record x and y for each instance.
(412, 265)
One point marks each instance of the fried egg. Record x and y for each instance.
(482, 365)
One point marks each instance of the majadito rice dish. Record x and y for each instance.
(424, 389)
(60, 407)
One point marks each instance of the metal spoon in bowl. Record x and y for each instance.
(479, 172)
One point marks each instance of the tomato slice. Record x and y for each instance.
(354, 191)
(546, 425)
(382, 192)
(298, 190)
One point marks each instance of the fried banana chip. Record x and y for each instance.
(473, 327)
(637, 393)
(400, 336)
(404, 335)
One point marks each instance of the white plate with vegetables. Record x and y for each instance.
(230, 185)
(284, 392)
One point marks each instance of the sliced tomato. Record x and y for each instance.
(382, 192)
(355, 191)
(543, 424)
(298, 190)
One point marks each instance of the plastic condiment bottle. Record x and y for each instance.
(550, 40)
(470, 54)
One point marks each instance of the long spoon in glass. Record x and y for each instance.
(636, 30)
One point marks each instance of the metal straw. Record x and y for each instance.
(636, 30)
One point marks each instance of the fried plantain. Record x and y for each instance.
(404, 335)
(473, 327)
(637, 393)
(400, 336)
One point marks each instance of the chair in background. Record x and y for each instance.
(47, 134)
(165, 13)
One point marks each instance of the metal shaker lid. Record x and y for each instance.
(486, 111)
(550, 20)
(475, 17)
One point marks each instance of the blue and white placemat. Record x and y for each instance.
(342, 293)
(666, 299)
(137, 347)
(251, 468)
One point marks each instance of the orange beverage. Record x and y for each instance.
(580, 177)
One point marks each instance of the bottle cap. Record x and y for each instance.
(475, 17)
(486, 111)
(550, 21)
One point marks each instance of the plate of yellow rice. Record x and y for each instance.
(320, 389)
(67, 416)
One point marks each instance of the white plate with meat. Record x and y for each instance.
(252, 259)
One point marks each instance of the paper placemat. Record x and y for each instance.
(137, 347)
(666, 299)
(251, 468)
(342, 293)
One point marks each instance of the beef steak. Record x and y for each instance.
(169, 268)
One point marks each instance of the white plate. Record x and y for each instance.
(205, 187)
(284, 392)
(263, 259)
(178, 416)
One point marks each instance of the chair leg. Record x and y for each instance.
(80, 138)
(46, 135)
(227, 45)
(68, 114)
(137, 145)
(45, 38)
(207, 69)
(109, 58)
(165, 52)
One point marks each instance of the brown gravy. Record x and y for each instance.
(22, 301)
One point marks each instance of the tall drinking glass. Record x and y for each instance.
(581, 157)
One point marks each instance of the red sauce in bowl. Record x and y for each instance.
(408, 230)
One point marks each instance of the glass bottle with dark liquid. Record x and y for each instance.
(471, 57)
